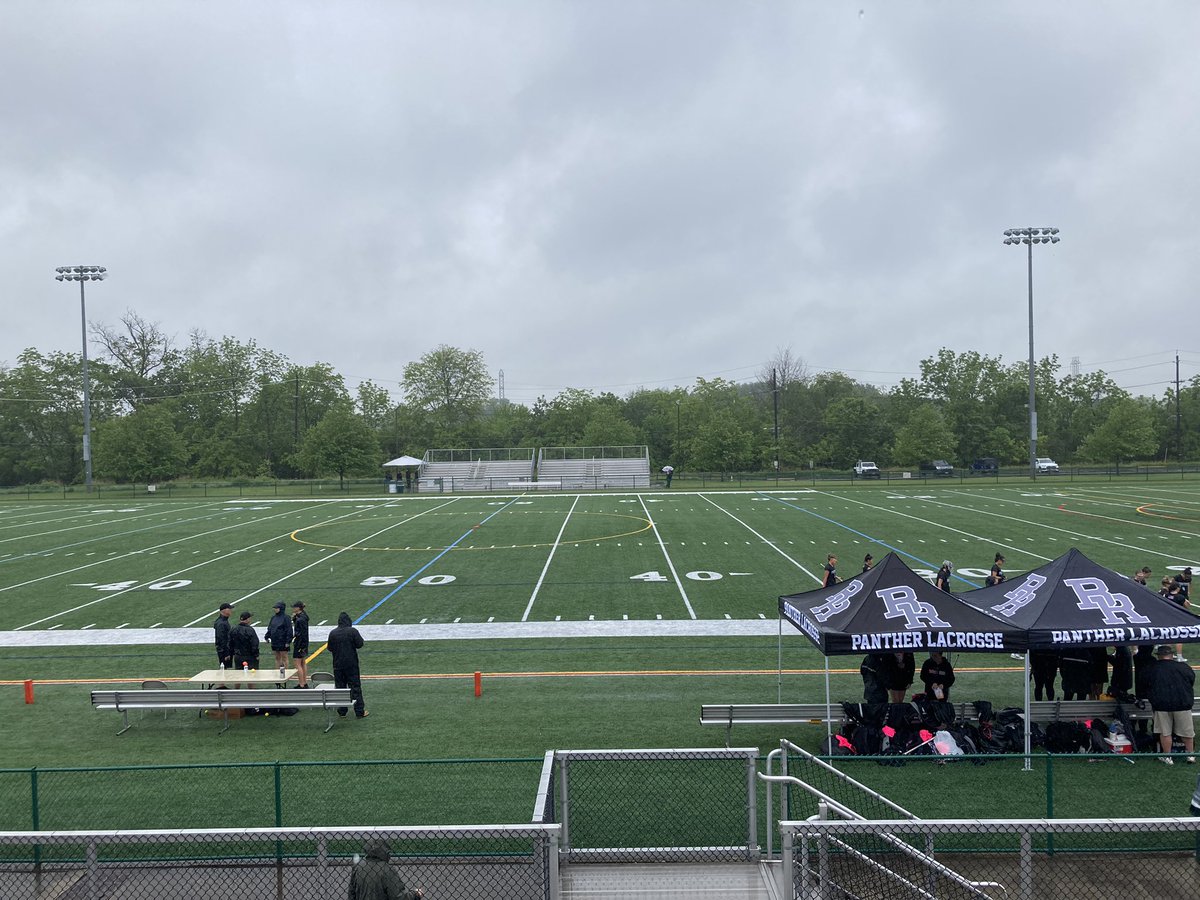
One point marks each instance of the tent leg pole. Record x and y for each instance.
(828, 709)
(779, 687)
(1028, 760)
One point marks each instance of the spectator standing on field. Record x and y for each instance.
(1075, 665)
(1043, 669)
(279, 633)
(300, 643)
(997, 573)
(1171, 697)
(244, 640)
(871, 670)
(669, 471)
(373, 877)
(942, 581)
(830, 571)
(898, 674)
(344, 644)
(221, 630)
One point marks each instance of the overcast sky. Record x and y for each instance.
(608, 194)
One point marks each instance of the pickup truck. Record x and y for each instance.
(864, 469)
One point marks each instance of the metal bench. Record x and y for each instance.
(1081, 710)
(327, 698)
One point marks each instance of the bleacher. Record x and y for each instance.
(446, 471)
(595, 468)
(558, 468)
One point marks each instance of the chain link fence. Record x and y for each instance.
(991, 860)
(657, 805)
(493, 862)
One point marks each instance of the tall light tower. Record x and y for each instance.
(1029, 237)
(82, 274)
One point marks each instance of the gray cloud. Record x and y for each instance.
(600, 195)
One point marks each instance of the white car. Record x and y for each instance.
(1046, 466)
(864, 469)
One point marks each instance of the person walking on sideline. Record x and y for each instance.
(997, 573)
(373, 877)
(300, 643)
(669, 471)
(1171, 685)
(830, 571)
(221, 630)
(279, 633)
(344, 644)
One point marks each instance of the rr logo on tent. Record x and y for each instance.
(901, 602)
(839, 602)
(1022, 595)
(1117, 609)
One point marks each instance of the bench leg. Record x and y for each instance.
(329, 718)
(125, 717)
(226, 728)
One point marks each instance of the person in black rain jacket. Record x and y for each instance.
(344, 644)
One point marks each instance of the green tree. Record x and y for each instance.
(1126, 434)
(925, 436)
(854, 430)
(342, 443)
(141, 446)
(451, 385)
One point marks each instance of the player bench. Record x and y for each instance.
(1082, 710)
(319, 697)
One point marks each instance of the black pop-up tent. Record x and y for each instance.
(1075, 602)
(892, 608)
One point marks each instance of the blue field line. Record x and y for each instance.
(407, 581)
(875, 540)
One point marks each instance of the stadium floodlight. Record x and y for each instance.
(82, 274)
(1029, 237)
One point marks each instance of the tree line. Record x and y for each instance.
(229, 409)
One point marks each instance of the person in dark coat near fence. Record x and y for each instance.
(300, 643)
(938, 675)
(898, 674)
(1043, 669)
(344, 644)
(373, 877)
(871, 670)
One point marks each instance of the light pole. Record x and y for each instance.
(82, 274)
(1029, 237)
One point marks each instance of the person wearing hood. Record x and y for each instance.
(344, 644)
(279, 633)
(373, 877)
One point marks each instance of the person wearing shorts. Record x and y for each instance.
(300, 643)
(1171, 686)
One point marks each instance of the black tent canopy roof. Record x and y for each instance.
(891, 608)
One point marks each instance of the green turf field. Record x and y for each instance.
(597, 620)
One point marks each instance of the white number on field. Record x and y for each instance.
(126, 585)
(385, 580)
(701, 575)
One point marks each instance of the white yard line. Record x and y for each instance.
(324, 559)
(549, 557)
(799, 565)
(667, 556)
(115, 557)
(148, 514)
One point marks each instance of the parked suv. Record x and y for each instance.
(938, 467)
(1046, 466)
(864, 469)
(987, 465)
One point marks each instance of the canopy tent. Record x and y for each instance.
(402, 461)
(892, 608)
(1073, 601)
